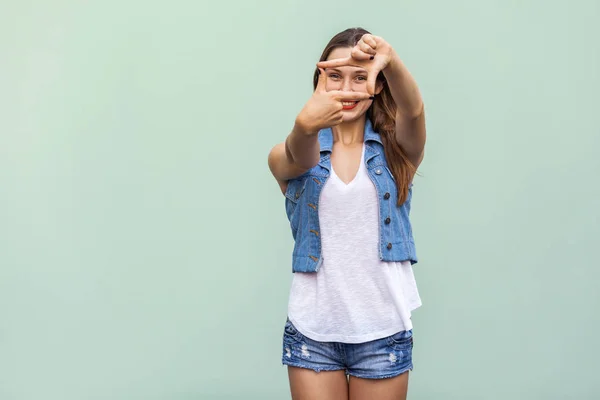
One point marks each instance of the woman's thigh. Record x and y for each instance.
(379, 369)
(395, 388)
(306, 384)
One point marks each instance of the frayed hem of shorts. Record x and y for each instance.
(316, 369)
(385, 376)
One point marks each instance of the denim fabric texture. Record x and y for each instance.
(377, 359)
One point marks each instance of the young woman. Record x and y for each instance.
(346, 170)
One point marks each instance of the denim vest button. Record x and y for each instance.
(389, 246)
(378, 171)
(386, 196)
(388, 220)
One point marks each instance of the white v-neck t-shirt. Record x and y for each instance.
(354, 297)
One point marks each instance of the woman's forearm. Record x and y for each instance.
(403, 87)
(303, 147)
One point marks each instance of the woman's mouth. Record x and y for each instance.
(349, 105)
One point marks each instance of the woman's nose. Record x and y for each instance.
(347, 85)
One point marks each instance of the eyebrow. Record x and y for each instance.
(357, 71)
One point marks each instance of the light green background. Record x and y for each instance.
(144, 248)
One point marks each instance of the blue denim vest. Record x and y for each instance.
(396, 241)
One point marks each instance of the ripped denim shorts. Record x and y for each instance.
(382, 358)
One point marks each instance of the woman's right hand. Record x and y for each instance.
(324, 109)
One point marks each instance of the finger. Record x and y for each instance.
(371, 82)
(360, 55)
(321, 83)
(370, 40)
(337, 117)
(366, 48)
(343, 95)
(338, 62)
(339, 120)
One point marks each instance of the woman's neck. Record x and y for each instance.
(350, 133)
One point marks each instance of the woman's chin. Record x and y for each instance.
(352, 115)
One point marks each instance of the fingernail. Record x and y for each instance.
(372, 57)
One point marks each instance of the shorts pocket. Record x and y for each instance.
(402, 339)
(291, 332)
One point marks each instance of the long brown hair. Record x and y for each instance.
(382, 114)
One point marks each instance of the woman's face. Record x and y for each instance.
(348, 79)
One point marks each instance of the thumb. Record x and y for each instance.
(371, 82)
(321, 83)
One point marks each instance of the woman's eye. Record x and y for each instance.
(361, 78)
(334, 76)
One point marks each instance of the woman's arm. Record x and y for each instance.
(410, 115)
(295, 156)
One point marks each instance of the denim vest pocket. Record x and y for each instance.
(295, 188)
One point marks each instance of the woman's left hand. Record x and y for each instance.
(371, 53)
